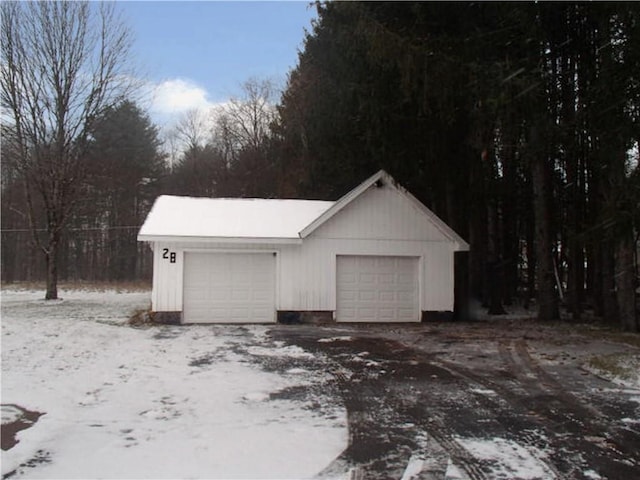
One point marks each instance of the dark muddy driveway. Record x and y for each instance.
(475, 401)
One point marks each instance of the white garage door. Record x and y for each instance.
(229, 288)
(377, 289)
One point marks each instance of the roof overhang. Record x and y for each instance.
(215, 240)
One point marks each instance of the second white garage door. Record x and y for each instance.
(377, 289)
(229, 288)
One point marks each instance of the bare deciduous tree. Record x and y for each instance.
(64, 63)
(193, 129)
(245, 122)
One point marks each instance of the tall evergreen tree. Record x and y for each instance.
(496, 115)
(124, 172)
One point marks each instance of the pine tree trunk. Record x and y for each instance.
(608, 283)
(575, 247)
(547, 300)
(625, 283)
(531, 262)
(477, 233)
(594, 279)
(575, 277)
(509, 204)
(494, 264)
(461, 297)
(51, 257)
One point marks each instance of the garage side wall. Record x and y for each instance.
(306, 274)
(381, 221)
(168, 277)
(308, 277)
(168, 261)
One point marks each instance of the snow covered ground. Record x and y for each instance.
(161, 402)
(448, 400)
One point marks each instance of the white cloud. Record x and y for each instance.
(173, 97)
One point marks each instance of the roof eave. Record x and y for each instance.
(462, 246)
(214, 240)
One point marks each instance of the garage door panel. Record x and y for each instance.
(216, 295)
(229, 288)
(347, 278)
(387, 296)
(368, 296)
(405, 297)
(366, 312)
(348, 315)
(241, 294)
(377, 289)
(386, 314)
(366, 263)
(346, 295)
(261, 316)
(260, 297)
(405, 279)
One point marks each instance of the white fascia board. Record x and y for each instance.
(214, 240)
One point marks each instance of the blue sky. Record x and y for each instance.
(197, 54)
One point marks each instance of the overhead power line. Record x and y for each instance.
(80, 229)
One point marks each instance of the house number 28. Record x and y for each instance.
(167, 255)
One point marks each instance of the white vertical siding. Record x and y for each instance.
(437, 277)
(381, 213)
(309, 274)
(380, 222)
(166, 295)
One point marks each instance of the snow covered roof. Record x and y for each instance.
(229, 218)
(249, 219)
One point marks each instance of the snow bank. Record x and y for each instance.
(163, 402)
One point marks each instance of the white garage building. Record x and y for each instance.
(375, 255)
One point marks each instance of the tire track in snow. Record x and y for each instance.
(377, 447)
(519, 399)
(552, 408)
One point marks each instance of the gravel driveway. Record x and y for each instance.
(476, 401)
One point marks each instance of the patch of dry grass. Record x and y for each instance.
(618, 367)
(142, 318)
(120, 287)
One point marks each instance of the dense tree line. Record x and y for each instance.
(123, 171)
(124, 168)
(516, 123)
(63, 65)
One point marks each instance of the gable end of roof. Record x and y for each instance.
(385, 178)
